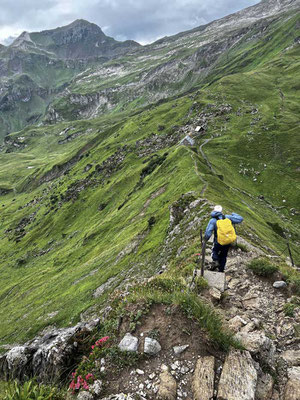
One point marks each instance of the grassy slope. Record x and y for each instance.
(47, 271)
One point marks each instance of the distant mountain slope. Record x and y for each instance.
(50, 59)
(180, 63)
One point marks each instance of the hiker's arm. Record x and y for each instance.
(235, 218)
(209, 229)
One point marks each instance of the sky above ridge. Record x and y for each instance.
(140, 20)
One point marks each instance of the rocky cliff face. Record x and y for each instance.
(79, 40)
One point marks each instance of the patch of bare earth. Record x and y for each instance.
(171, 327)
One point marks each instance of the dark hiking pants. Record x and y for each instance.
(219, 253)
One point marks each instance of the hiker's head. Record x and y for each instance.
(218, 209)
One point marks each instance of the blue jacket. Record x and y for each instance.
(212, 225)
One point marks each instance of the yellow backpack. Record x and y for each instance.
(225, 231)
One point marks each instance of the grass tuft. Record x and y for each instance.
(262, 267)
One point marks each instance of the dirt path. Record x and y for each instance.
(205, 157)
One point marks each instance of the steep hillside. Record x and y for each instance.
(89, 202)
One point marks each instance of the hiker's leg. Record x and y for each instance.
(215, 252)
(223, 257)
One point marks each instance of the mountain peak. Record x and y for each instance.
(79, 24)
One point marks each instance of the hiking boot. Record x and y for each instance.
(214, 265)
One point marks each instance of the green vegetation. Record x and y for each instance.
(292, 276)
(31, 390)
(87, 202)
(262, 267)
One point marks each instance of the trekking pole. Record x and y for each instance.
(203, 257)
(197, 262)
(290, 253)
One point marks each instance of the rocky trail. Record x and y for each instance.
(267, 369)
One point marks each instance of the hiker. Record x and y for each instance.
(224, 235)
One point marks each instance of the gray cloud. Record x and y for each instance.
(140, 20)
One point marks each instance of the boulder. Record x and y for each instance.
(264, 389)
(215, 280)
(215, 294)
(129, 343)
(236, 323)
(239, 377)
(292, 357)
(259, 344)
(292, 389)
(46, 357)
(203, 379)
(167, 387)
(151, 346)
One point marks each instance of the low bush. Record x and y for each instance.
(289, 309)
(32, 391)
(292, 276)
(262, 267)
(200, 284)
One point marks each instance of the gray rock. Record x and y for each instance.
(168, 387)
(236, 323)
(203, 379)
(151, 346)
(96, 387)
(119, 396)
(292, 357)
(279, 284)
(292, 389)
(264, 389)
(129, 343)
(259, 344)
(215, 279)
(46, 357)
(239, 377)
(180, 349)
(85, 396)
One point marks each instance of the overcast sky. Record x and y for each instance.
(141, 20)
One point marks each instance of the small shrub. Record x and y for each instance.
(242, 247)
(292, 276)
(262, 267)
(289, 309)
(166, 284)
(32, 391)
(188, 270)
(200, 284)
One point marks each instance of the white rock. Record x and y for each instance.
(279, 284)
(85, 396)
(139, 372)
(151, 346)
(180, 349)
(96, 387)
(129, 343)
